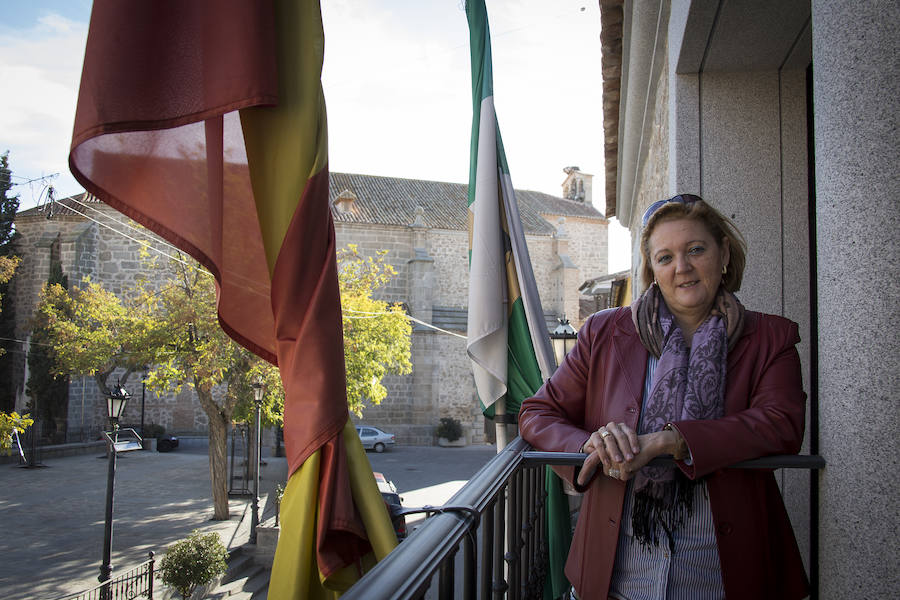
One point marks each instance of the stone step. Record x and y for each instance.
(245, 580)
(258, 583)
(239, 563)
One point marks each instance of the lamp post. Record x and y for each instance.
(143, 398)
(563, 339)
(115, 405)
(258, 390)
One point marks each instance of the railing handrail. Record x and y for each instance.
(776, 461)
(414, 562)
(407, 571)
(131, 573)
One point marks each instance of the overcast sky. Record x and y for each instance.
(397, 85)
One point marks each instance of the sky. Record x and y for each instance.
(397, 88)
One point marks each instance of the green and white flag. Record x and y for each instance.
(508, 342)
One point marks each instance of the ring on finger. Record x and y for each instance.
(604, 433)
(614, 473)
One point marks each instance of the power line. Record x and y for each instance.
(137, 241)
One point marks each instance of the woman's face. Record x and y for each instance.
(687, 264)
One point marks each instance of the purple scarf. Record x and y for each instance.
(688, 384)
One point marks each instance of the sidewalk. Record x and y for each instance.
(52, 519)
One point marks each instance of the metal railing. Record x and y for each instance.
(497, 519)
(134, 583)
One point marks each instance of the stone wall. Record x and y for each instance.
(431, 267)
(653, 178)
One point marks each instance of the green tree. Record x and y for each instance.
(9, 204)
(376, 333)
(93, 332)
(48, 387)
(9, 423)
(197, 353)
(8, 266)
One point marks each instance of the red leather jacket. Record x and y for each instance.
(602, 380)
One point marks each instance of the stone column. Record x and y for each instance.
(567, 275)
(425, 410)
(855, 91)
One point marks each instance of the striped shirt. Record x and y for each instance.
(652, 572)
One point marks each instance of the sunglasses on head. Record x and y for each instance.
(679, 199)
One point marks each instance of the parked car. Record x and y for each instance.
(393, 501)
(374, 438)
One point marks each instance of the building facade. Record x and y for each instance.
(784, 116)
(422, 225)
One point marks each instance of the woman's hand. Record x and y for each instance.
(614, 445)
(625, 465)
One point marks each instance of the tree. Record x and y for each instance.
(197, 353)
(47, 387)
(376, 333)
(175, 330)
(8, 207)
(9, 423)
(93, 332)
(8, 266)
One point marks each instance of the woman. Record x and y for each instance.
(685, 371)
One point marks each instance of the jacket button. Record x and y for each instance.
(612, 522)
(631, 409)
(725, 528)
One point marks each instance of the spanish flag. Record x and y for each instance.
(205, 122)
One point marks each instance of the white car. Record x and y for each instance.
(374, 438)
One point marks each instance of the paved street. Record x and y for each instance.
(52, 518)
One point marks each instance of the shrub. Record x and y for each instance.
(194, 561)
(154, 431)
(449, 428)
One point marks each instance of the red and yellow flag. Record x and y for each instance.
(205, 122)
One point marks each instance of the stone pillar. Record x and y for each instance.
(855, 91)
(426, 410)
(567, 275)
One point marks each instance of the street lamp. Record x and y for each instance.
(563, 339)
(115, 406)
(258, 391)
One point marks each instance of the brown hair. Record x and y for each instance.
(717, 224)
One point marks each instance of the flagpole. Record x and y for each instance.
(500, 424)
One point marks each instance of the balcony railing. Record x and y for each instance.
(134, 583)
(497, 520)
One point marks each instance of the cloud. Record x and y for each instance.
(41, 67)
(398, 88)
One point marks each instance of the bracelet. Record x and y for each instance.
(682, 450)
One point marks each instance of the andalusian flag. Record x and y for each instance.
(205, 122)
(508, 341)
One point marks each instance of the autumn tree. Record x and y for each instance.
(174, 329)
(93, 332)
(8, 266)
(198, 354)
(376, 333)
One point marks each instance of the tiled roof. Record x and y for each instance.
(61, 207)
(393, 201)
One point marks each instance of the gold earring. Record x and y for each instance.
(724, 270)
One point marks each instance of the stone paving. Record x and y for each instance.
(51, 519)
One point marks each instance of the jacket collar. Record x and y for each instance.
(629, 355)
